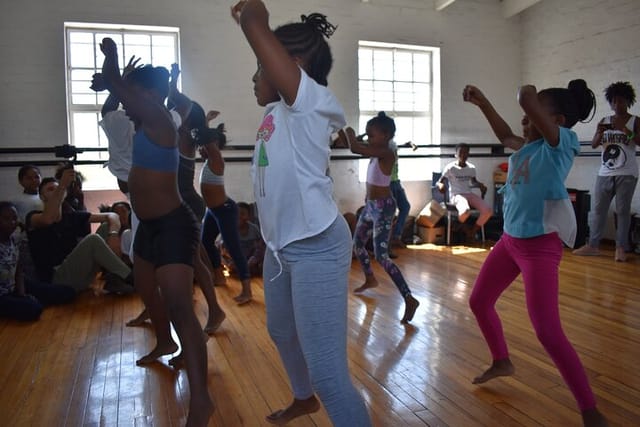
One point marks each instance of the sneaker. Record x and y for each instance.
(620, 256)
(587, 250)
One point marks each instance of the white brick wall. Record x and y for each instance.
(590, 39)
(477, 44)
(548, 44)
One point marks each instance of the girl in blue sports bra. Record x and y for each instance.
(166, 240)
(380, 208)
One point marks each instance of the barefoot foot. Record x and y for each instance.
(297, 409)
(369, 283)
(214, 322)
(156, 353)
(410, 306)
(140, 320)
(200, 410)
(593, 418)
(499, 368)
(242, 298)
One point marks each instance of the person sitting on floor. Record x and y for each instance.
(63, 253)
(22, 299)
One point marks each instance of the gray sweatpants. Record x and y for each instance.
(622, 187)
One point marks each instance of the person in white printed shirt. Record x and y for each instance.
(460, 176)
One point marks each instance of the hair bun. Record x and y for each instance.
(320, 23)
(382, 114)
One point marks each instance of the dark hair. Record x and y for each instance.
(244, 205)
(45, 181)
(197, 119)
(206, 135)
(152, 78)
(574, 103)
(63, 166)
(622, 89)
(462, 145)
(384, 123)
(26, 168)
(6, 204)
(306, 40)
(103, 208)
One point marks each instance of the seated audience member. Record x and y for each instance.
(21, 299)
(460, 176)
(123, 209)
(62, 251)
(251, 242)
(29, 178)
(74, 201)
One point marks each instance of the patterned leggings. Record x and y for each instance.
(376, 218)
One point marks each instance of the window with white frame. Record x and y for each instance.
(153, 45)
(404, 82)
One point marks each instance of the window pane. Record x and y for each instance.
(163, 56)
(421, 67)
(163, 40)
(85, 129)
(422, 97)
(82, 55)
(365, 64)
(383, 65)
(366, 100)
(404, 130)
(80, 37)
(88, 99)
(85, 75)
(422, 130)
(80, 87)
(403, 69)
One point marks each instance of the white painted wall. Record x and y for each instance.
(477, 45)
(548, 44)
(590, 39)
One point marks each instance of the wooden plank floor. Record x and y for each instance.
(76, 366)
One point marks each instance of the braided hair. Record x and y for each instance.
(306, 40)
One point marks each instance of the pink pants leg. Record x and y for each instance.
(537, 259)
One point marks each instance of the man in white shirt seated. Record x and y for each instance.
(460, 176)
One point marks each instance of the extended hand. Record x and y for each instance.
(175, 72)
(132, 65)
(236, 10)
(212, 114)
(108, 47)
(97, 82)
(473, 95)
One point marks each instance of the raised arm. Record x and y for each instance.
(98, 84)
(52, 211)
(500, 128)
(182, 103)
(152, 114)
(528, 99)
(274, 61)
(358, 147)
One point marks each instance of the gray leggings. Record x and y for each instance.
(622, 187)
(305, 289)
